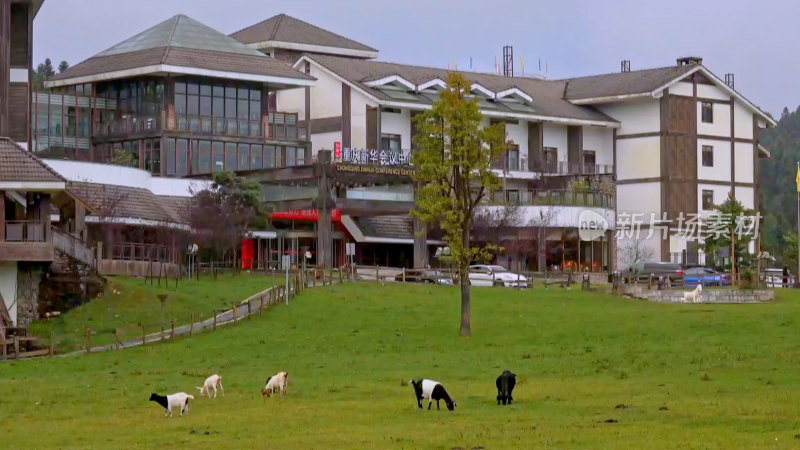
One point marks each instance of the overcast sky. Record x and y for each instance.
(758, 41)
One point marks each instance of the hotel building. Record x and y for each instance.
(327, 129)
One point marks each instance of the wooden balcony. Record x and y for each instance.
(26, 240)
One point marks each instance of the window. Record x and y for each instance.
(269, 156)
(708, 156)
(182, 156)
(512, 157)
(230, 156)
(708, 200)
(707, 112)
(156, 157)
(203, 157)
(550, 160)
(301, 156)
(170, 157)
(244, 156)
(290, 156)
(217, 157)
(390, 142)
(589, 161)
(512, 197)
(255, 156)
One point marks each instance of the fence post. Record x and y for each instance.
(404, 275)
(191, 325)
(248, 309)
(116, 337)
(161, 335)
(314, 281)
(52, 344)
(172, 329)
(261, 305)
(233, 309)
(378, 273)
(88, 341)
(144, 339)
(214, 312)
(340, 274)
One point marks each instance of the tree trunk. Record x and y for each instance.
(463, 272)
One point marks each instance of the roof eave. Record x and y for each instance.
(283, 82)
(611, 98)
(312, 48)
(33, 186)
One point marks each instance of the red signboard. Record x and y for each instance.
(337, 150)
(308, 215)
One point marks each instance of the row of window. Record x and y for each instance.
(181, 157)
(227, 100)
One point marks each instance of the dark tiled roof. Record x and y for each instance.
(18, 164)
(623, 83)
(547, 95)
(184, 42)
(285, 28)
(393, 227)
(122, 202)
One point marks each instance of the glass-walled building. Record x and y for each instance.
(180, 112)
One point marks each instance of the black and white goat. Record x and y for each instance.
(178, 400)
(505, 386)
(431, 390)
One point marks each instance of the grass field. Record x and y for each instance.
(594, 371)
(130, 301)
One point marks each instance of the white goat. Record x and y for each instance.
(279, 381)
(693, 296)
(211, 383)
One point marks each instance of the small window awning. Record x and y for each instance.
(763, 152)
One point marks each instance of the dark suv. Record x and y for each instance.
(643, 269)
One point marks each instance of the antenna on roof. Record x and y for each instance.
(508, 61)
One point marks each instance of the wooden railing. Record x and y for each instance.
(26, 231)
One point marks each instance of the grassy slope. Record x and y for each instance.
(129, 301)
(727, 376)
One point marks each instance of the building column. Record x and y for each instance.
(324, 237)
(2, 216)
(612, 250)
(5, 64)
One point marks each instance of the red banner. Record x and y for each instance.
(247, 253)
(337, 150)
(307, 215)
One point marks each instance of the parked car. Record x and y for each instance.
(429, 276)
(705, 276)
(774, 278)
(642, 270)
(489, 275)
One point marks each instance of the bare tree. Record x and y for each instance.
(633, 252)
(539, 225)
(497, 225)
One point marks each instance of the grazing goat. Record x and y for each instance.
(505, 386)
(693, 296)
(178, 400)
(279, 381)
(431, 390)
(211, 383)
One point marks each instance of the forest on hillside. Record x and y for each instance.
(778, 188)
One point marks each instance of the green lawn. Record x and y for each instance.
(594, 372)
(130, 301)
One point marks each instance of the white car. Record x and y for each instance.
(487, 275)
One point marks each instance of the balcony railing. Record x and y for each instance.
(557, 168)
(281, 126)
(553, 197)
(25, 231)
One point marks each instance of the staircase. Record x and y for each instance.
(74, 248)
